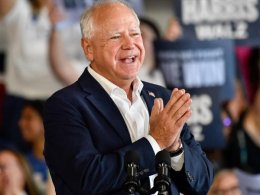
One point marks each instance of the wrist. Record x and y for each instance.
(177, 151)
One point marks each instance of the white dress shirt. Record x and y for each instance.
(28, 71)
(135, 114)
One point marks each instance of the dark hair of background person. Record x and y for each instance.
(239, 90)
(35, 4)
(254, 71)
(36, 105)
(154, 28)
(30, 187)
(151, 25)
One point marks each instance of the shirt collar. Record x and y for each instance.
(110, 87)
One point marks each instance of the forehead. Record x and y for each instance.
(30, 109)
(6, 156)
(113, 16)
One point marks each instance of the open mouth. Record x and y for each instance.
(130, 59)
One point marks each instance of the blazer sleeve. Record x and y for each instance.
(72, 157)
(196, 176)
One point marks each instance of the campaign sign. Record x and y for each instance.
(205, 122)
(206, 70)
(220, 19)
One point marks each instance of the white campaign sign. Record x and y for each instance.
(216, 19)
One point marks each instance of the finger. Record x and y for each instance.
(174, 91)
(176, 95)
(156, 107)
(161, 104)
(181, 121)
(182, 109)
(172, 109)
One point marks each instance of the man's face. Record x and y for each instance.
(116, 48)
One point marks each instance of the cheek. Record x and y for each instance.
(37, 128)
(112, 48)
(18, 178)
(37, 123)
(112, 55)
(140, 45)
(142, 53)
(32, 129)
(3, 177)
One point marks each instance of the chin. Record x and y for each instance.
(131, 75)
(128, 77)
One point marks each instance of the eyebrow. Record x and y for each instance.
(135, 29)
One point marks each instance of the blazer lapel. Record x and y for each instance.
(105, 105)
(149, 97)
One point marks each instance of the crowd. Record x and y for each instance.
(39, 59)
(36, 64)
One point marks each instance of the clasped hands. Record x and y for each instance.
(166, 122)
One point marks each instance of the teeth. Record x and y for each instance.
(129, 60)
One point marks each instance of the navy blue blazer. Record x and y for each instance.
(86, 139)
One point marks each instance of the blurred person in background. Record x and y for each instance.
(150, 71)
(232, 109)
(225, 183)
(31, 124)
(28, 26)
(50, 187)
(15, 175)
(173, 30)
(244, 143)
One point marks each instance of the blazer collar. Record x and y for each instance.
(105, 105)
(149, 97)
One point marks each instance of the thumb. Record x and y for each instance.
(157, 107)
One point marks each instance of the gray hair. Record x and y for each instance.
(86, 21)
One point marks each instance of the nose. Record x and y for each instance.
(128, 42)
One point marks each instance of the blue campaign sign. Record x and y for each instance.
(205, 123)
(220, 19)
(206, 69)
(198, 64)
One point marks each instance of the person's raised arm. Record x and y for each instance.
(59, 62)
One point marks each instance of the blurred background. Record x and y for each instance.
(210, 48)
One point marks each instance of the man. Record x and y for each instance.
(91, 124)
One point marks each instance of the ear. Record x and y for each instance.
(88, 48)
